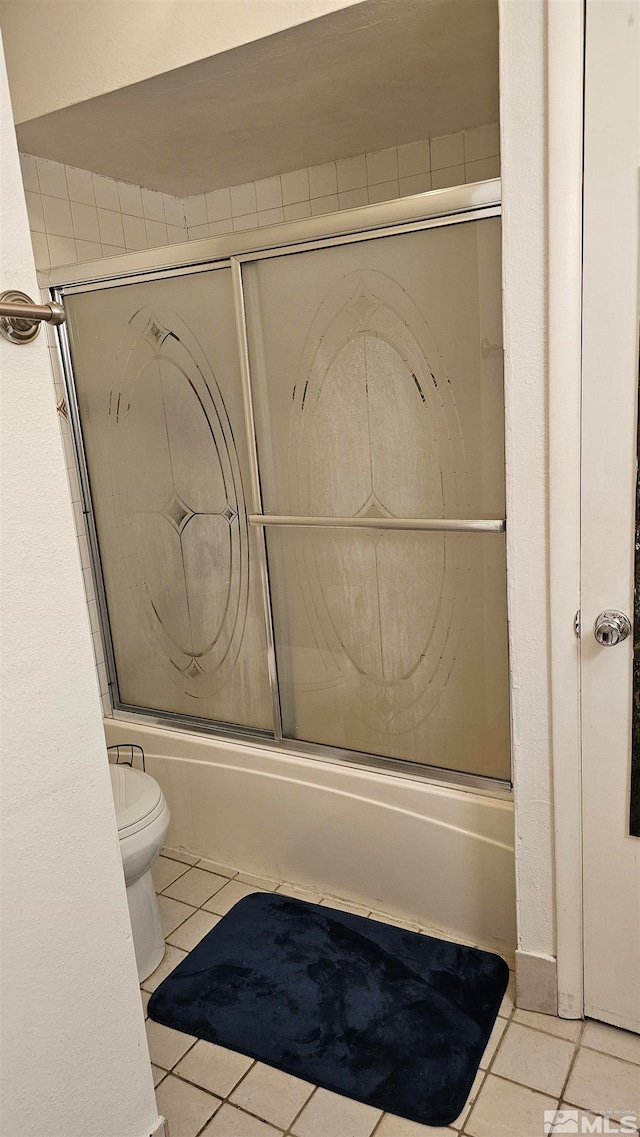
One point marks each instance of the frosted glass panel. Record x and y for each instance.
(160, 402)
(377, 376)
(394, 643)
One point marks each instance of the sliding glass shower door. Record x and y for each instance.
(299, 503)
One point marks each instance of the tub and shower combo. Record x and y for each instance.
(291, 450)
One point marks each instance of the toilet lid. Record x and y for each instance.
(135, 795)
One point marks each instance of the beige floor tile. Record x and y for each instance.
(180, 855)
(173, 913)
(166, 1046)
(604, 1084)
(392, 1126)
(311, 895)
(506, 1110)
(172, 957)
(191, 932)
(145, 996)
(328, 1114)
(612, 1040)
(550, 1024)
(195, 887)
(345, 906)
(185, 1107)
(475, 1090)
(158, 1074)
(539, 1061)
(499, 1027)
(264, 882)
(165, 871)
(232, 1122)
(507, 1004)
(273, 1095)
(224, 900)
(213, 866)
(214, 1067)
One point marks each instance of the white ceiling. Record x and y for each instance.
(378, 74)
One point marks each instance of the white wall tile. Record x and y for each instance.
(328, 204)
(218, 204)
(62, 250)
(246, 221)
(57, 216)
(156, 233)
(270, 216)
(269, 193)
(196, 232)
(88, 250)
(111, 231)
(483, 142)
(383, 191)
(52, 178)
(323, 180)
(29, 173)
(176, 234)
(448, 150)
(220, 228)
(41, 253)
(106, 191)
(113, 250)
(173, 209)
(130, 198)
(85, 221)
(195, 210)
(35, 212)
(80, 183)
(243, 199)
(482, 169)
(382, 165)
(352, 173)
(295, 186)
(414, 158)
(451, 176)
(135, 233)
(417, 183)
(297, 210)
(152, 205)
(352, 199)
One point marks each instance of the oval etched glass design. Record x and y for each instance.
(161, 430)
(377, 372)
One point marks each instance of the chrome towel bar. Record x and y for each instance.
(437, 524)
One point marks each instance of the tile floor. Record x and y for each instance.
(532, 1062)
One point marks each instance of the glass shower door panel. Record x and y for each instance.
(394, 643)
(160, 402)
(377, 376)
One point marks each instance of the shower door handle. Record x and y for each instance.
(611, 628)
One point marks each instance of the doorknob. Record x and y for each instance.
(611, 628)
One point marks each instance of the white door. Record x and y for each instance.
(610, 370)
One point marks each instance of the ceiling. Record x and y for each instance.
(378, 74)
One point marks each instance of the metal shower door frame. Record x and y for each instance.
(424, 211)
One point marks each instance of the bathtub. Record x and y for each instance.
(438, 856)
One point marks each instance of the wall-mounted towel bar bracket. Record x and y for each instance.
(20, 318)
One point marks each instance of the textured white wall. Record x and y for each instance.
(62, 53)
(74, 1060)
(523, 129)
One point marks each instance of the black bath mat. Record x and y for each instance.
(389, 1017)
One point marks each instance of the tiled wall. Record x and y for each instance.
(75, 215)
(468, 156)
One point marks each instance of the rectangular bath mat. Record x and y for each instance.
(389, 1017)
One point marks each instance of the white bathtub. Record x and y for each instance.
(441, 857)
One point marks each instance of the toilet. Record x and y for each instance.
(143, 819)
